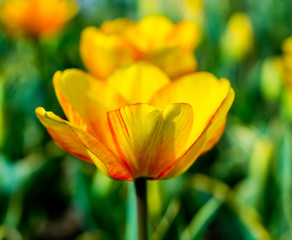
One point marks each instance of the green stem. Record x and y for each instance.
(141, 195)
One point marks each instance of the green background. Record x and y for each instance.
(241, 189)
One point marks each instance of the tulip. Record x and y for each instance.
(154, 39)
(138, 123)
(36, 18)
(237, 40)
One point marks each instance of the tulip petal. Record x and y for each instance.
(185, 34)
(133, 127)
(287, 45)
(85, 101)
(138, 82)
(175, 131)
(79, 143)
(204, 92)
(117, 26)
(143, 37)
(102, 54)
(149, 140)
(167, 60)
(209, 136)
(218, 122)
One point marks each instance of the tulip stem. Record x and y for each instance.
(141, 195)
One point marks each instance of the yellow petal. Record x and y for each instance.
(287, 61)
(79, 143)
(175, 131)
(204, 92)
(209, 136)
(287, 45)
(167, 60)
(187, 159)
(217, 123)
(138, 82)
(149, 140)
(133, 128)
(117, 26)
(287, 72)
(102, 54)
(185, 34)
(85, 101)
(146, 38)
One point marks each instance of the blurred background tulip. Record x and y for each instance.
(272, 78)
(122, 41)
(37, 18)
(237, 39)
(241, 189)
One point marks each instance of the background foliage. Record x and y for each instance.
(241, 189)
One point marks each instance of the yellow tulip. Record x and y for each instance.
(237, 40)
(38, 18)
(138, 123)
(155, 39)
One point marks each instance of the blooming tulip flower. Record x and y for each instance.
(155, 39)
(138, 123)
(38, 18)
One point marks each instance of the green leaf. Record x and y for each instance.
(248, 217)
(167, 220)
(286, 180)
(201, 220)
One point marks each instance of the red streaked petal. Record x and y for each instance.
(86, 100)
(79, 143)
(148, 140)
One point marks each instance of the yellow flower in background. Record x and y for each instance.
(194, 10)
(287, 62)
(138, 123)
(287, 77)
(237, 40)
(155, 39)
(38, 18)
